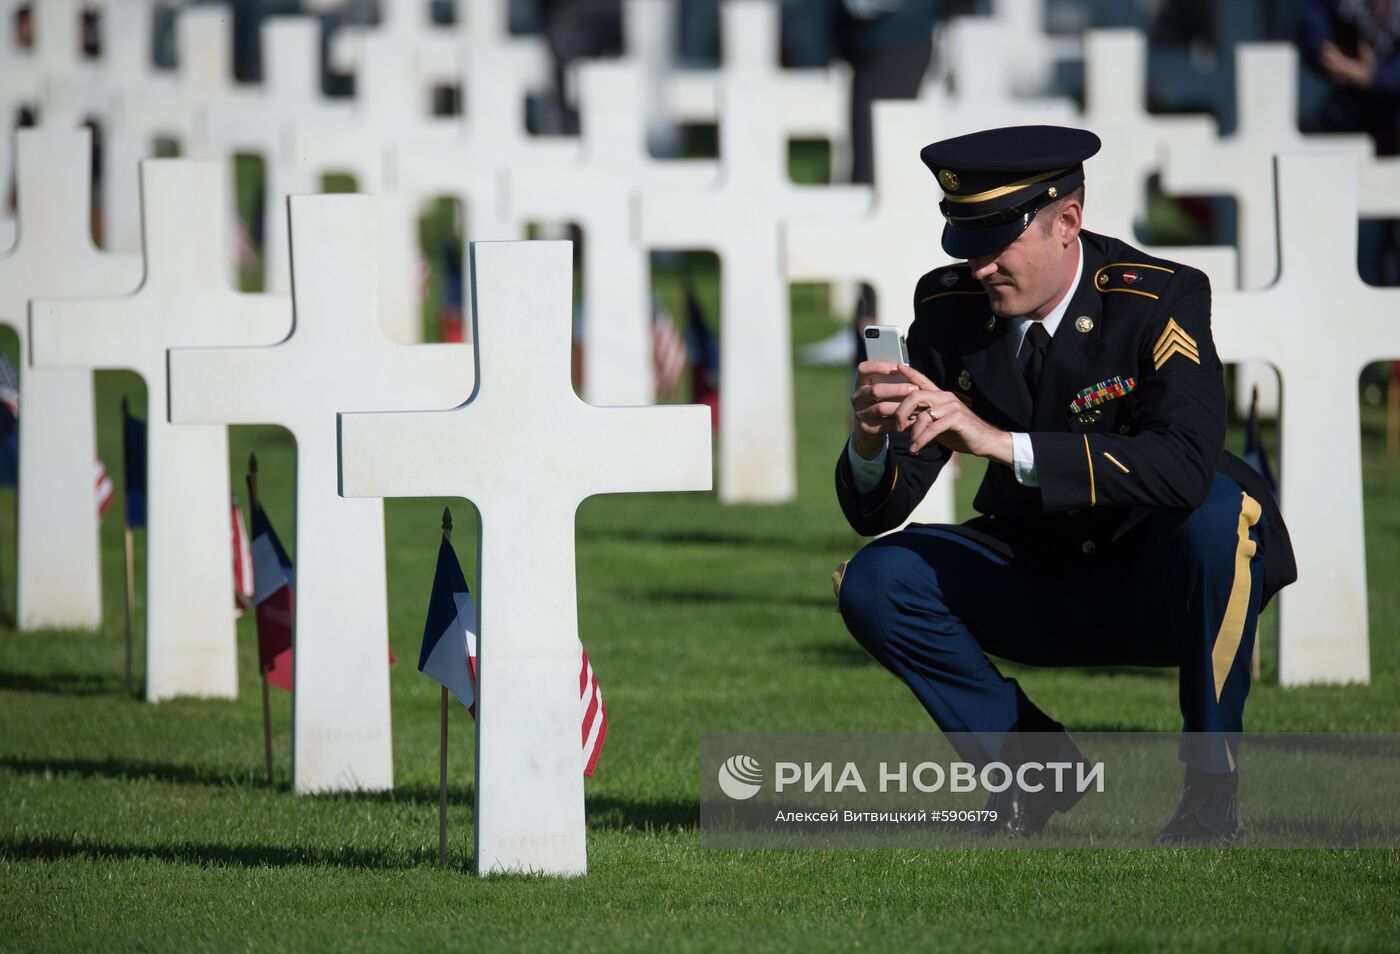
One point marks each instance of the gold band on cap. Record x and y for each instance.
(1000, 191)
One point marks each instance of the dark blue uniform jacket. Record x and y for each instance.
(1136, 324)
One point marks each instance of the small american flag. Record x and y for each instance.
(668, 352)
(105, 490)
(243, 590)
(595, 715)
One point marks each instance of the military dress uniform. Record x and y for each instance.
(1139, 540)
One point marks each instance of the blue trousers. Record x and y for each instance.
(1183, 590)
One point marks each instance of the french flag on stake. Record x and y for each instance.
(449, 652)
(449, 636)
(272, 583)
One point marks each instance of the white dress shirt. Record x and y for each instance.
(867, 473)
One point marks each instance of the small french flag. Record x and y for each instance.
(449, 653)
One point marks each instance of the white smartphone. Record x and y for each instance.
(886, 343)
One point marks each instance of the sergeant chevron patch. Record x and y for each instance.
(1173, 341)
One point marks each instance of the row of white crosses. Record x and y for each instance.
(336, 358)
(58, 568)
(975, 43)
(895, 239)
(1323, 629)
(184, 299)
(1319, 325)
(295, 126)
(1240, 165)
(739, 216)
(211, 357)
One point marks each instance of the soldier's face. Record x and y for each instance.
(1029, 276)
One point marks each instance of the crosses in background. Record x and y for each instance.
(1323, 634)
(184, 301)
(335, 359)
(59, 581)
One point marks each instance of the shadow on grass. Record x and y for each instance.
(605, 812)
(675, 597)
(839, 654)
(56, 847)
(126, 769)
(713, 537)
(64, 683)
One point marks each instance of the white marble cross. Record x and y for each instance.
(648, 32)
(71, 88)
(150, 104)
(435, 51)
(891, 246)
(59, 581)
(1029, 54)
(19, 88)
(1115, 107)
(757, 432)
(258, 121)
(184, 301)
(812, 103)
(336, 359)
(52, 78)
(597, 194)
(491, 140)
(1319, 325)
(391, 106)
(1241, 165)
(1380, 188)
(526, 476)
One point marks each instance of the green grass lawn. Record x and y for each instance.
(130, 825)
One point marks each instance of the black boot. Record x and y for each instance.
(1021, 813)
(1208, 814)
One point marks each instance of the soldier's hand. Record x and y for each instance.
(931, 414)
(874, 403)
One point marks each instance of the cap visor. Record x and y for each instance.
(970, 243)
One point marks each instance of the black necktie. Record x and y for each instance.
(1039, 340)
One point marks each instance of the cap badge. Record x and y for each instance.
(1130, 277)
(948, 179)
(965, 380)
(1083, 324)
(1103, 280)
(948, 279)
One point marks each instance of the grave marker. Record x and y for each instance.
(491, 140)
(1115, 107)
(335, 359)
(1241, 165)
(1323, 634)
(757, 447)
(149, 104)
(258, 120)
(59, 583)
(183, 301)
(596, 192)
(527, 483)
